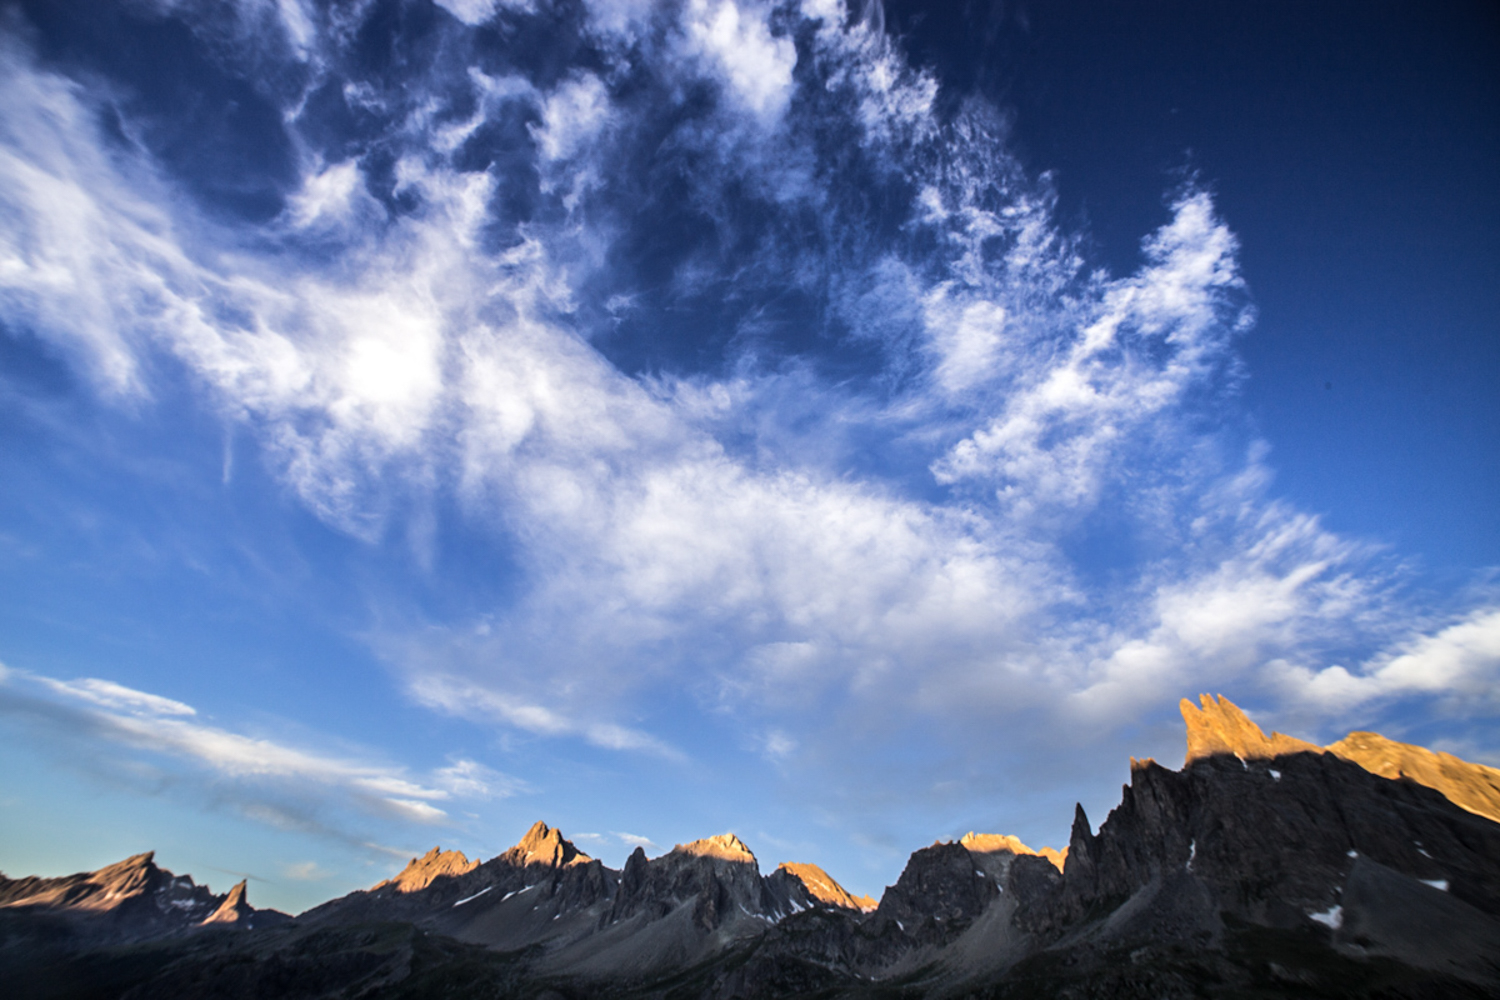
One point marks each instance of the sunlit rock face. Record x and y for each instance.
(1278, 834)
(235, 910)
(1472, 786)
(131, 900)
(995, 844)
(420, 872)
(545, 846)
(822, 887)
(1219, 727)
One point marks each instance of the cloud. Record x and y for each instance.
(304, 871)
(635, 840)
(278, 783)
(1458, 662)
(853, 507)
(755, 66)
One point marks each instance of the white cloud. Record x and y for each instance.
(474, 12)
(304, 871)
(635, 840)
(108, 694)
(1460, 661)
(130, 720)
(470, 779)
(746, 539)
(755, 65)
(571, 116)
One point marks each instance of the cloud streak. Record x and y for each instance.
(270, 780)
(861, 515)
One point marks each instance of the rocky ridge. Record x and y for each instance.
(130, 900)
(1264, 866)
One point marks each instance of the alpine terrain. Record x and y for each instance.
(1265, 867)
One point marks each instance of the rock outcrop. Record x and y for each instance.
(1219, 727)
(985, 844)
(235, 910)
(544, 846)
(1470, 786)
(131, 900)
(822, 887)
(419, 873)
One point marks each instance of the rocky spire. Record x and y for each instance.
(544, 845)
(1220, 728)
(420, 872)
(235, 908)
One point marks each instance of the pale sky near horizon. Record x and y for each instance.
(842, 428)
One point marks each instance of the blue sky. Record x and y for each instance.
(848, 428)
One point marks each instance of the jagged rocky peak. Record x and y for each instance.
(419, 873)
(995, 843)
(822, 887)
(724, 847)
(234, 910)
(544, 845)
(137, 873)
(1219, 727)
(1467, 785)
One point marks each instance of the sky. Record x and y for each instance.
(844, 425)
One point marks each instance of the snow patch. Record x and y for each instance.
(481, 892)
(1436, 883)
(1332, 917)
(1353, 853)
(1274, 773)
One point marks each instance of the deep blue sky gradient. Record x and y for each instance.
(752, 349)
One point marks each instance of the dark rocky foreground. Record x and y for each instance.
(1266, 867)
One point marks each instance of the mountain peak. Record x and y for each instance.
(1219, 727)
(725, 847)
(420, 872)
(822, 887)
(545, 845)
(234, 909)
(991, 843)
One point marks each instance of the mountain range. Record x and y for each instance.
(1266, 866)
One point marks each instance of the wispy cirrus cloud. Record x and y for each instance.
(859, 510)
(265, 778)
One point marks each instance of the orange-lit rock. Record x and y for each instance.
(990, 843)
(1219, 727)
(822, 887)
(725, 847)
(1469, 786)
(419, 872)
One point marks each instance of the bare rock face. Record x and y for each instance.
(1219, 727)
(234, 909)
(986, 844)
(1284, 842)
(445, 891)
(939, 893)
(718, 875)
(131, 900)
(1471, 786)
(545, 846)
(419, 873)
(821, 887)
